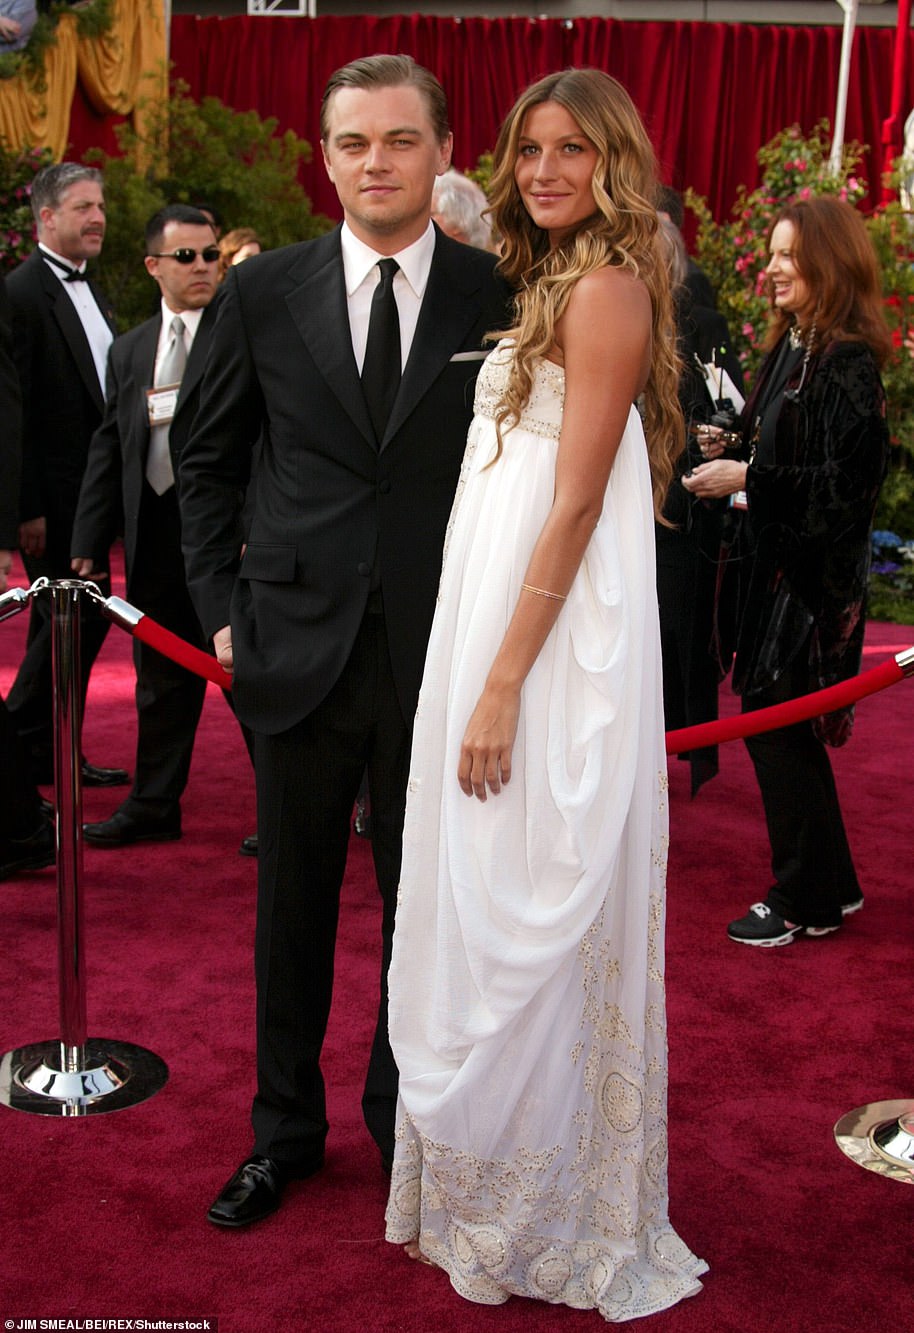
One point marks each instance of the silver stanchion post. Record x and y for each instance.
(75, 1075)
(880, 1138)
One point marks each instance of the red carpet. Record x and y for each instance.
(104, 1217)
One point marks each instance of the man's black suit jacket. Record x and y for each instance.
(62, 400)
(112, 487)
(10, 432)
(330, 502)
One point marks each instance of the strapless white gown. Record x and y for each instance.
(527, 1012)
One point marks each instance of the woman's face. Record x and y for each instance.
(554, 170)
(791, 290)
(248, 249)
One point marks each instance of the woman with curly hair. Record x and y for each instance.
(527, 1008)
(807, 467)
(235, 247)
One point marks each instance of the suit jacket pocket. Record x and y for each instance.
(269, 563)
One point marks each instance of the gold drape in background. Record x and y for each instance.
(116, 72)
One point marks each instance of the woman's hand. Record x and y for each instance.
(485, 755)
(714, 481)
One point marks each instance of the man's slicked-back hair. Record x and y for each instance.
(184, 213)
(51, 184)
(388, 71)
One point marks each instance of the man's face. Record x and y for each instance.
(186, 286)
(76, 229)
(383, 155)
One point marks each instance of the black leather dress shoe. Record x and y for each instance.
(256, 1189)
(249, 845)
(93, 776)
(124, 828)
(31, 853)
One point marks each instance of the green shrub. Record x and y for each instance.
(193, 152)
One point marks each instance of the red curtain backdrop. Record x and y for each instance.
(710, 93)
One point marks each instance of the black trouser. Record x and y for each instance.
(307, 782)
(31, 697)
(810, 858)
(20, 807)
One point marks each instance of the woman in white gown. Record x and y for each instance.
(526, 990)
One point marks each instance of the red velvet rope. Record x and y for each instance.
(183, 653)
(784, 715)
(687, 738)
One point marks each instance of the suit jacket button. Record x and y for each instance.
(384, 487)
(364, 569)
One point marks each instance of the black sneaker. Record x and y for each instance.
(848, 909)
(762, 927)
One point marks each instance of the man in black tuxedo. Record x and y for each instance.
(62, 330)
(154, 375)
(325, 619)
(26, 835)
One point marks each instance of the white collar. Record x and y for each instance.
(415, 261)
(62, 266)
(191, 318)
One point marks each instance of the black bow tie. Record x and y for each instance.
(72, 274)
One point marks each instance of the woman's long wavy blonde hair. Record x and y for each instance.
(622, 232)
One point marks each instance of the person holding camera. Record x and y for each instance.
(803, 472)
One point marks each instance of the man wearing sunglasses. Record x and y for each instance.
(154, 375)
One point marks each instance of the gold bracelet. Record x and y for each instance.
(556, 596)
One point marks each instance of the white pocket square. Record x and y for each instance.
(469, 356)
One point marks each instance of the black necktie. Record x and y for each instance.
(381, 367)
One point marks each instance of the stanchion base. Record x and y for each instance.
(116, 1074)
(872, 1137)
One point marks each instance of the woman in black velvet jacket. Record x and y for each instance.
(805, 475)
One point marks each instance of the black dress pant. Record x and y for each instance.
(307, 782)
(31, 698)
(20, 805)
(686, 580)
(169, 698)
(814, 875)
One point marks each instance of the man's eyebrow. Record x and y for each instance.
(388, 134)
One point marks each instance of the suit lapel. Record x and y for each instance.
(196, 361)
(143, 367)
(449, 310)
(317, 305)
(72, 331)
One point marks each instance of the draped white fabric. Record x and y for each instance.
(526, 991)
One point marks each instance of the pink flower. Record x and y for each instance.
(748, 330)
(805, 192)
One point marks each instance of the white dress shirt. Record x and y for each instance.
(191, 320)
(362, 275)
(95, 326)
